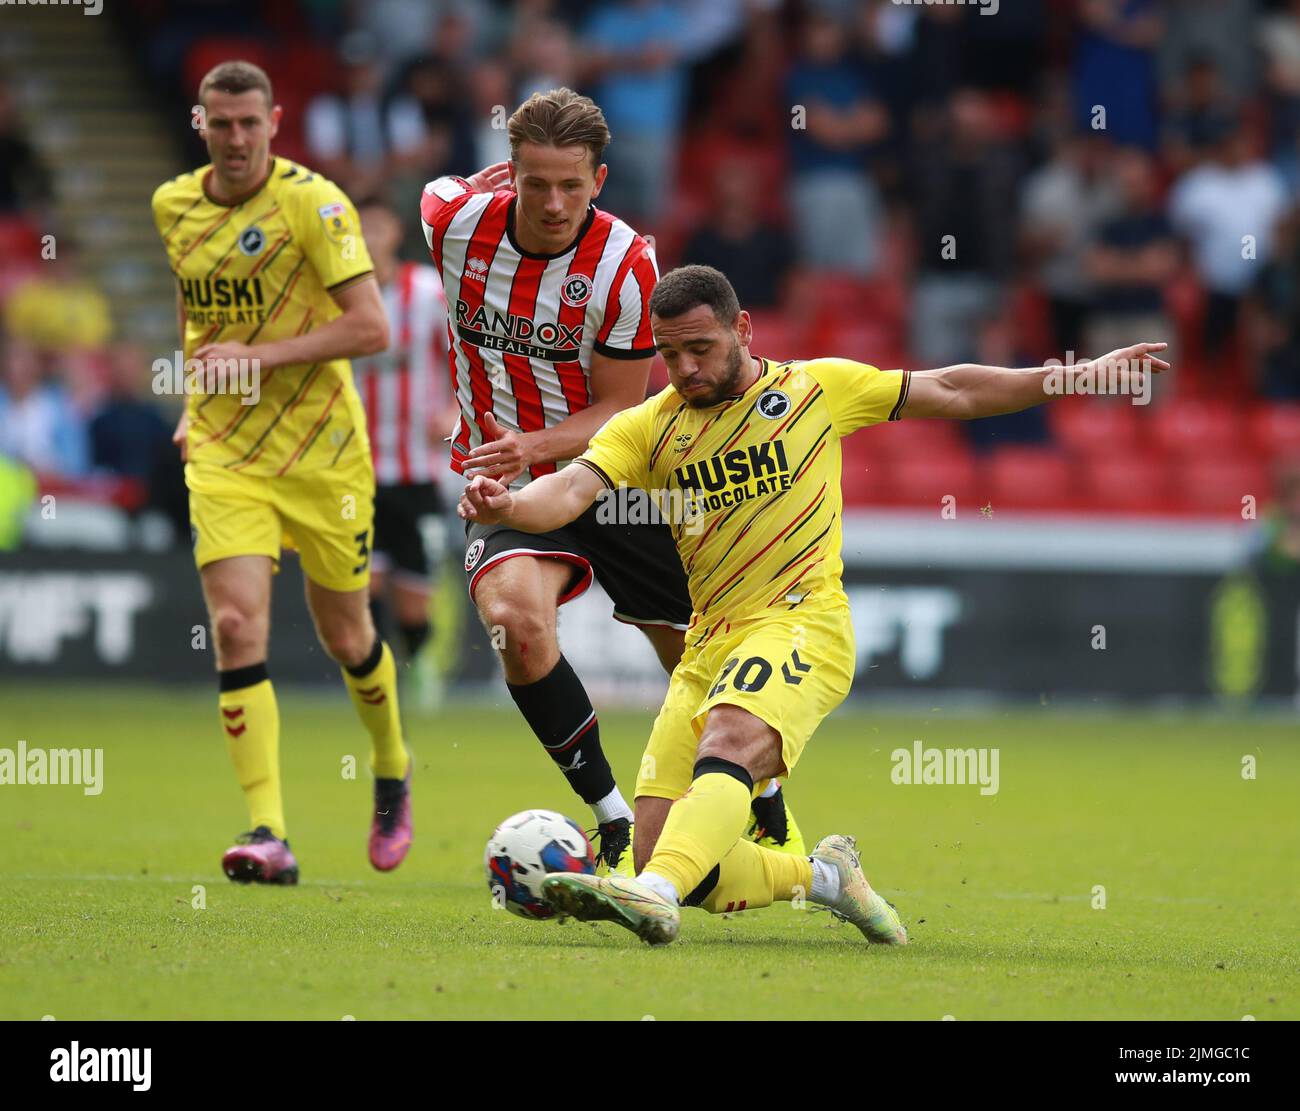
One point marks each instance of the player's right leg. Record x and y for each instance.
(517, 595)
(238, 595)
(236, 546)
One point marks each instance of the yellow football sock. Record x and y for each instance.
(754, 876)
(702, 825)
(250, 721)
(374, 694)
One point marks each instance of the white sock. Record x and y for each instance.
(825, 882)
(660, 886)
(612, 807)
(772, 788)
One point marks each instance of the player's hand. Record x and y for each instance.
(215, 355)
(491, 178)
(485, 500)
(181, 437)
(503, 457)
(1139, 357)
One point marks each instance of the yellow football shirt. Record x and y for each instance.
(751, 487)
(260, 270)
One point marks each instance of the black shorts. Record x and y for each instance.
(637, 565)
(406, 519)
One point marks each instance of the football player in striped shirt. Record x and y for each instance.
(409, 411)
(275, 292)
(754, 447)
(550, 336)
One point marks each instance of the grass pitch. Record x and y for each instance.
(1199, 866)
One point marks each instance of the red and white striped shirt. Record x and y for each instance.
(403, 388)
(523, 326)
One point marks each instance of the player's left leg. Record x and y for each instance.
(639, 567)
(328, 516)
(348, 635)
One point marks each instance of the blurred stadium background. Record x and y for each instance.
(816, 152)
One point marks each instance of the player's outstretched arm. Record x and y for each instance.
(969, 390)
(544, 504)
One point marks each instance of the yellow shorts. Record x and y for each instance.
(791, 670)
(327, 515)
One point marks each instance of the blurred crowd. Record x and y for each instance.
(910, 184)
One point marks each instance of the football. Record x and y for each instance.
(523, 849)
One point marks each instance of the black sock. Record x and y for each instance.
(414, 637)
(560, 713)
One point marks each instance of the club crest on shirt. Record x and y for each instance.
(473, 554)
(773, 404)
(252, 240)
(576, 290)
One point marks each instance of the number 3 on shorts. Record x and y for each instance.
(363, 550)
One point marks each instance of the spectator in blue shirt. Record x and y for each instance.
(837, 210)
(635, 66)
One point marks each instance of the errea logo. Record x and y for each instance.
(476, 269)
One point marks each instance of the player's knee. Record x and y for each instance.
(347, 644)
(515, 627)
(237, 631)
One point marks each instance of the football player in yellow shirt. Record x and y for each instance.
(275, 292)
(743, 455)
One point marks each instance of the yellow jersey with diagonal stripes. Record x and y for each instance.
(758, 478)
(265, 269)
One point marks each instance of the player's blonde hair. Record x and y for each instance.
(235, 77)
(559, 118)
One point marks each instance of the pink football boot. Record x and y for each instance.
(260, 857)
(391, 831)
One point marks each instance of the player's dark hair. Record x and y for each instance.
(559, 118)
(688, 287)
(235, 77)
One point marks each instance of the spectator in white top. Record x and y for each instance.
(357, 139)
(1227, 209)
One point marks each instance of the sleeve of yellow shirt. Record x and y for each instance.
(620, 451)
(329, 232)
(858, 394)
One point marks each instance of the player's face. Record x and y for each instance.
(238, 130)
(555, 186)
(707, 361)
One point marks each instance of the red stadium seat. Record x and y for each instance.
(1191, 427)
(1127, 483)
(924, 481)
(1216, 487)
(776, 336)
(1031, 478)
(917, 438)
(1275, 429)
(215, 49)
(1091, 427)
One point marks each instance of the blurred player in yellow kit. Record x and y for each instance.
(743, 454)
(275, 292)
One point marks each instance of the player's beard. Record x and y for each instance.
(726, 384)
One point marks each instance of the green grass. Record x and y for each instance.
(1200, 867)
